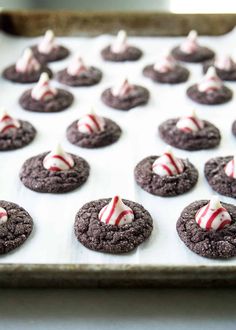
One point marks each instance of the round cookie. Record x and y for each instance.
(201, 55)
(129, 54)
(220, 96)
(15, 231)
(60, 102)
(228, 75)
(109, 135)
(140, 96)
(88, 78)
(165, 186)
(58, 53)
(17, 138)
(98, 236)
(176, 76)
(206, 138)
(11, 74)
(217, 178)
(218, 244)
(35, 177)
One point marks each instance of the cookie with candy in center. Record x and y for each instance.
(225, 67)
(112, 225)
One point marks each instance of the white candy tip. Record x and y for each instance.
(122, 33)
(193, 34)
(44, 76)
(49, 34)
(92, 111)
(27, 52)
(168, 150)
(215, 202)
(211, 71)
(58, 149)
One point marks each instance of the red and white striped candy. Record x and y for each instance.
(58, 160)
(47, 44)
(230, 168)
(165, 63)
(42, 91)
(190, 45)
(123, 89)
(224, 63)
(91, 123)
(189, 124)
(168, 165)
(120, 43)
(76, 66)
(116, 213)
(7, 123)
(210, 82)
(27, 62)
(213, 215)
(3, 215)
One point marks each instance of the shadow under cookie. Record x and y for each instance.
(11, 74)
(201, 55)
(35, 177)
(109, 135)
(57, 54)
(178, 75)
(98, 236)
(215, 244)
(165, 186)
(220, 96)
(206, 138)
(89, 78)
(130, 54)
(17, 138)
(15, 231)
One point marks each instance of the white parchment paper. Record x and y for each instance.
(53, 239)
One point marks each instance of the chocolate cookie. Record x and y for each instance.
(58, 53)
(218, 244)
(98, 236)
(165, 186)
(234, 128)
(206, 138)
(176, 76)
(60, 102)
(88, 78)
(17, 229)
(201, 55)
(229, 75)
(35, 177)
(17, 138)
(130, 54)
(109, 135)
(216, 177)
(10, 73)
(220, 96)
(140, 96)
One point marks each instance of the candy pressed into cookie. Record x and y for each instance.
(225, 67)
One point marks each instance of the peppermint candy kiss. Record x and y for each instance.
(27, 62)
(123, 89)
(224, 63)
(210, 81)
(7, 122)
(213, 215)
(230, 168)
(48, 43)
(3, 216)
(190, 45)
(168, 164)
(120, 43)
(189, 124)
(91, 123)
(76, 66)
(165, 64)
(58, 160)
(43, 91)
(116, 213)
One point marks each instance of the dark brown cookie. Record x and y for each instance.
(58, 53)
(10, 73)
(201, 55)
(60, 102)
(216, 177)
(139, 96)
(17, 229)
(98, 236)
(176, 76)
(234, 128)
(35, 177)
(217, 244)
(88, 78)
(165, 186)
(223, 74)
(206, 138)
(130, 54)
(109, 135)
(220, 96)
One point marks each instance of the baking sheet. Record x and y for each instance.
(53, 240)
